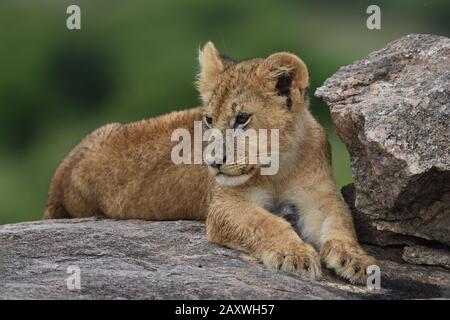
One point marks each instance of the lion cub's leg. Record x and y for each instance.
(239, 224)
(325, 221)
(339, 247)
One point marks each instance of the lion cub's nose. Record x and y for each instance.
(214, 162)
(216, 165)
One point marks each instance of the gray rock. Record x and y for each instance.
(367, 230)
(171, 260)
(426, 256)
(392, 110)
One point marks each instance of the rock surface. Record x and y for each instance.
(392, 110)
(425, 256)
(171, 260)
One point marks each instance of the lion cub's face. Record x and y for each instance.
(247, 97)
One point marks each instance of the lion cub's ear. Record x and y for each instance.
(286, 74)
(212, 64)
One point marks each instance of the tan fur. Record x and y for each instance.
(126, 172)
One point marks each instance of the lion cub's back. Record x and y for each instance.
(125, 171)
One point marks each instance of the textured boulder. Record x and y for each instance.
(392, 111)
(368, 232)
(426, 256)
(173, 260)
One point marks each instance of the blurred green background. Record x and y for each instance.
(137, 59)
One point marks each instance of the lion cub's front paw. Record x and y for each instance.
(297, 257)
(347, 259)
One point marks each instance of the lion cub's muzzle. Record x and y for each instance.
(230, 174)
(231, 169)
(234, 170)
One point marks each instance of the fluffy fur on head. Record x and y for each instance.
(272, 91)
(212, 63)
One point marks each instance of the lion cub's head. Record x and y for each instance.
(253, 94)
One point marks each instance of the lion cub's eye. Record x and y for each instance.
(242, 118)
(208, 121)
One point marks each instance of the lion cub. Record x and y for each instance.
(126, 172)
